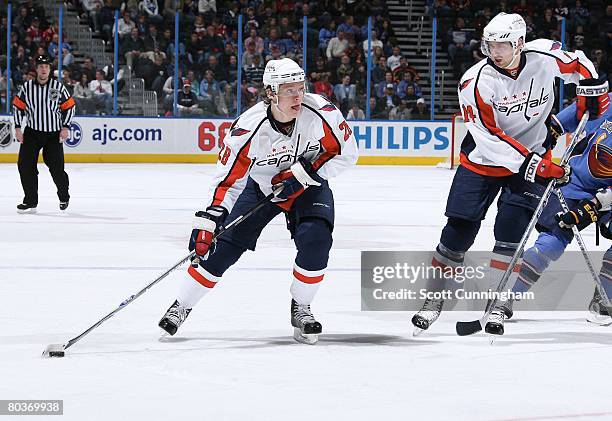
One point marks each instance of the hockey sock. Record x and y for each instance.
(446, 259)
(605, 274)
(199, 283)
(313, 241)
(305, 284)
(500, 261)
(547, 248)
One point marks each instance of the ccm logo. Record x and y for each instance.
(591, 91)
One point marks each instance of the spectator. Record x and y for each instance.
(209, 92)
(286, 27)
(92, 9)
(404, 67)
(84, 97)
(345, 68)
(322, 85)
(151, 10)
(187, 102)
(34, 31)
(102, 93)
(212, 43)
(272, 41)
(375, 42)
(394, 60)
(400, 112)
(411, 97)
(247, 56)
(132, 48)
(382, 86)
(337, 46)
(389, 100)
(125, 26)
(107, 19)
(405, 83)
(89, 68)
(419, 112)
(354, 52)
(320, 68)
(355, 113)
(326, 33)
(345, 92)
(376, 111)
(459, 46)
(349, 28)
(151, 44)
(293, 46)
(195, 50)
(208, 9)
(579, 15)
(378, 73)
(254, 73)
(256, 40)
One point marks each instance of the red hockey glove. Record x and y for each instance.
(592, 96)
(541, 170)
(205, 223)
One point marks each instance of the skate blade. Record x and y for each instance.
(599, 320)
(417, 331)
(26, 211)
(309, 339)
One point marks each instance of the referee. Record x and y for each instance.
(45, 108)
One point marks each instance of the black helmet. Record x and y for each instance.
(43, 60)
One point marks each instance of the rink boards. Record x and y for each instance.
(97, 139)
(151, 140)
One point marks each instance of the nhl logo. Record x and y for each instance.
(5, 133)
(54, 95)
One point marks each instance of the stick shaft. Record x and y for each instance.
(240, 219)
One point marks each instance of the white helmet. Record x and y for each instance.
(282, 71)
(504, 27)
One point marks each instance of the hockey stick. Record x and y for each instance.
(583, 249)
(58, 350)
(469, 328)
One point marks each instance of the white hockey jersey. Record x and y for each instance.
(253, 148)
(506, 113)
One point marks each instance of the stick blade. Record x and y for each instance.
(54, 351)
(468, 328)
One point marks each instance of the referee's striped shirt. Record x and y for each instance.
(46, 108)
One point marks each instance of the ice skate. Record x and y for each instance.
(306, 328)
(428, 314)
(495, 324)
(598, 314)
(25, 208)
(174, 318)
(63, 205)
(506, 306)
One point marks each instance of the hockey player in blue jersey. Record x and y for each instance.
(588, 196)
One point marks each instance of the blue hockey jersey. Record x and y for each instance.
(592, 160)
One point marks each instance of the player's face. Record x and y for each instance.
(501, 53)
(290, 96)
(43, 71)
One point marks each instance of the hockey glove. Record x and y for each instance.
(541, 170)
(555, 129)
(592, 96)
(205, 224)
(294, 180)
(582, 216)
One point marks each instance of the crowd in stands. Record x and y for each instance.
(588, 27)
(208, 51)
(336, 41)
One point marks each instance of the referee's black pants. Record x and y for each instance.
(53, 155)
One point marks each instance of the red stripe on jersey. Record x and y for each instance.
(307, 279)
(573, 66)
(331, 145)
(239, 169)
(18, 103)
(200, 278)
(483, 169)
(488, 118)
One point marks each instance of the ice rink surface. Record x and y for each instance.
(234, 359)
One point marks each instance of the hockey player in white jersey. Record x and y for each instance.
(294, 140)
(506, 100)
